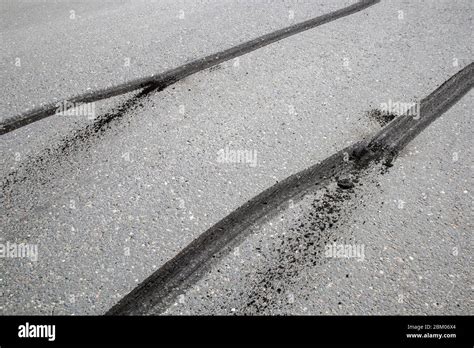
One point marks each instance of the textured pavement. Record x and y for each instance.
(53, 50)
(409, 231)
(108, 208)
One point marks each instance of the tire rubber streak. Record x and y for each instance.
(160, 289)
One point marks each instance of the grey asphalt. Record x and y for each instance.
(410, 230)
(52, 50)
(109, 210)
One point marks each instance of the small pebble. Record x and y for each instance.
(345, 183)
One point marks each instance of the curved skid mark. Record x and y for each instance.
(179, 273)
(171, 76)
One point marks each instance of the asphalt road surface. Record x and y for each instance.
(107, 203)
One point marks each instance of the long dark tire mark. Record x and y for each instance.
(171, 76)
(179, 273)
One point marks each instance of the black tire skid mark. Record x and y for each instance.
(159, 290)
(176, 74)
